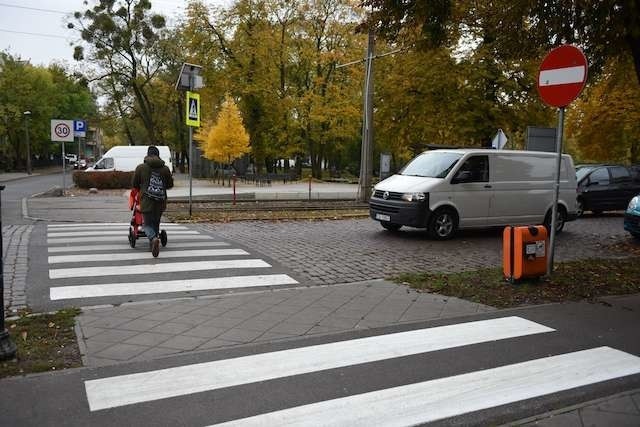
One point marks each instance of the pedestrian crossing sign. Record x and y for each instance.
(193, 109)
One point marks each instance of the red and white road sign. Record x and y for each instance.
(562, 75)
(62, 130)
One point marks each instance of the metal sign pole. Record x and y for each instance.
(64, 168)
(7, 347)
(190, 148)
(554, 208)
(190, 167)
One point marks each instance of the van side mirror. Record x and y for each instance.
(461, 176)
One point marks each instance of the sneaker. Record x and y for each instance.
(155, 247)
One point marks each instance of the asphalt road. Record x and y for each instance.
(18, 189)
(571, 353)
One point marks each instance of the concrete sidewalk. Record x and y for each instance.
(147, 330)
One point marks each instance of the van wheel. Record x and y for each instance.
(561, 218)
(443, 224)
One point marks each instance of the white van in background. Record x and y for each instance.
(444, 190)
(126, 158)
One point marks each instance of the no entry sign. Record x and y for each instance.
(562, 76)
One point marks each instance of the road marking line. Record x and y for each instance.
(141, 288)
(123, 236)
(125, 247)
(159, 384)
(173, 267)
(103, 224)
(562, 76)
(98, 233)
(110, 227)
(434, 400)
(140, 255)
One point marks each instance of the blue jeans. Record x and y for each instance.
(151, 224)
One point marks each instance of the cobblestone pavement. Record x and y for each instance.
(343, 251)
(15, 244)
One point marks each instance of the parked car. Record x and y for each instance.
(605, 188)
(71, 158)
(443, 190)
(632, 217)
(80, 164)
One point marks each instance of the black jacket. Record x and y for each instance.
(141, 182)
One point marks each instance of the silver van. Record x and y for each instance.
(446, 190)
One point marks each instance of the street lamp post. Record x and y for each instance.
(27, 114)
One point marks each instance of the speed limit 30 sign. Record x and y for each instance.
(62, 130)
(562, 76)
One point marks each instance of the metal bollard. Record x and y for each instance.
(234, 189)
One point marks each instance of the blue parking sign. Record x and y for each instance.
(79, 128)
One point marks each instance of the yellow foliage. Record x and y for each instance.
(604, 123)
(227, 139)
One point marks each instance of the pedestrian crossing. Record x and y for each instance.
(80, 256)
(407, 404)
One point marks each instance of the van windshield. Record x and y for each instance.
(432, 164)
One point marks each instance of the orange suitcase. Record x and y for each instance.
(524, 252)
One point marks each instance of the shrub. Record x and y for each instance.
(103, 180)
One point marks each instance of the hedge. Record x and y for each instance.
(103, 180)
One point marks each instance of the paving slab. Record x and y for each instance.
(192, 324)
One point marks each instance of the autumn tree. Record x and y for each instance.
(604, 124)
(46, 93)
(121, 38)
(523, 28)
(277, 58)
(227, 139)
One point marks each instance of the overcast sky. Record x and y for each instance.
(48, 38)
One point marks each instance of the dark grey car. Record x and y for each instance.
(605, 187)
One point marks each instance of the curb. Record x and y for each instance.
(571, 408)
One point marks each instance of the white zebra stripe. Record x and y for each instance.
(142, 288)
(122, 237)
(159, 384)
(145, 255)
(173, 267)
(124, 247)
(99, 233)
(103, 224)
(434, 400)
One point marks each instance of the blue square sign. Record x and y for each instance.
(79, 128)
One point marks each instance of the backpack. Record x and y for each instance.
(155, 190)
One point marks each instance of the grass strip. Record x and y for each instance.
(571, 281)
(45, 342)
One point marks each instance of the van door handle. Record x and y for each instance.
(487, 186)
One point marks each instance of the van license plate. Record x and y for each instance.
(381, 217)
